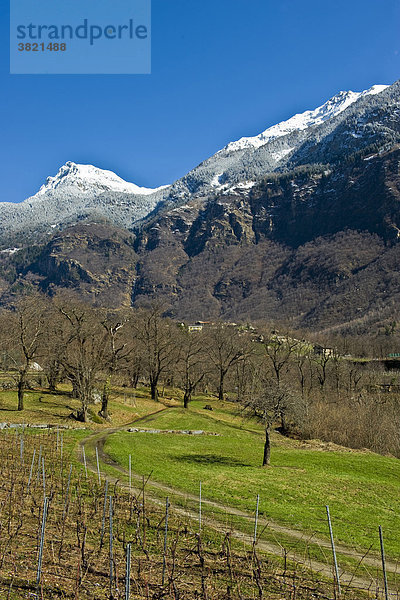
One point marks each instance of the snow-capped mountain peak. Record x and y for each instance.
(309, 118)
(88, 178)
(79, 192)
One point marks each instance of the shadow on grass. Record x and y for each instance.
(212, 459)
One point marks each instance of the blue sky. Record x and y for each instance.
(221, 69)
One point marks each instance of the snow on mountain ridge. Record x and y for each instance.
(340, 127)
(87, 178)
(301, 121)
(78, 192)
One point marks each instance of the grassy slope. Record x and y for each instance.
(361, 488)
(47, 408)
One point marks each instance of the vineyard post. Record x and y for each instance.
(256, 519)
(165, 540)
(98, 466)
(44, 478)
(383, 563)
(39, 463)
(111, 550)
(84, 460)
(144, 512)
(40, 558)
(22, 449)
(31, 471)
(130, 473)
(200, 508)
(67, 492)
(103, 522)
(333, 551)
(128, 572)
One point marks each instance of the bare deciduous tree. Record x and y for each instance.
(280, 350)
(191, 365)
(158, 340)
(266, 400)
(53, 350)
(118, 352)
(224, 349)
(26, 326)
(86, 351)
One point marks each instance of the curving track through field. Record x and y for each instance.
(367, 581)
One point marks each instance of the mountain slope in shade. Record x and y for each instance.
(311, 248)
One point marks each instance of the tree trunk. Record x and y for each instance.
(82, 414)
(21, 391)
(267, 448)
(221, 388)
(53, 375)
(104, 401)
(85, 398)
(105, 397)
(52, 385)
(52, 379)
(154, 390)
(75, 389)
(284, 427)
(186, 399)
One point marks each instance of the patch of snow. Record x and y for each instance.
(34, 366)
(81, 191)
(281, 154)
(10, 250)
(242, 186)
(215, 181)
(246, 185)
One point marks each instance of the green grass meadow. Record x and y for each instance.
(361, 488)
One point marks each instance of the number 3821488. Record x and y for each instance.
(50, 47)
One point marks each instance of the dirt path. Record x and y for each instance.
(367, 581)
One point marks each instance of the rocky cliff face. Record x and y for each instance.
(289, 249)
(96, 261)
